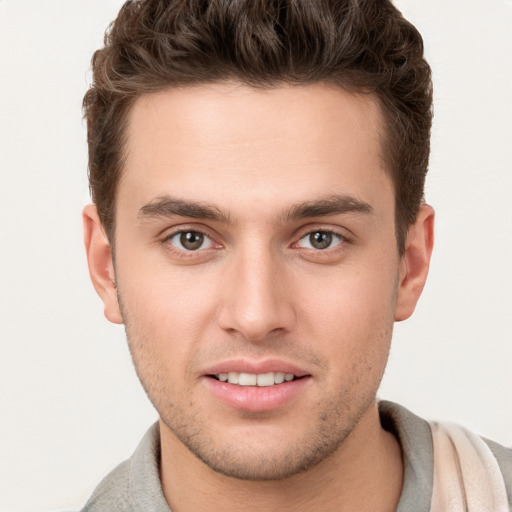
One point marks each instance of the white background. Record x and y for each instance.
(70, 405)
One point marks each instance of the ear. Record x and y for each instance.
(415, 262)
(101, 266)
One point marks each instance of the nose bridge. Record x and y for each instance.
(256, 301)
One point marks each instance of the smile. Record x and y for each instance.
(257, 386)
(253, 379)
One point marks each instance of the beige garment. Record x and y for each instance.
(467, 477)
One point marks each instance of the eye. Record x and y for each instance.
(190, 241)
(320, 240)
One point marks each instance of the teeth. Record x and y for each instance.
(233, 377)
(265, 379)
(278, 377)
(247, 379)
(252, 379)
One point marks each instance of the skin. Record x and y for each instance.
(257, 289)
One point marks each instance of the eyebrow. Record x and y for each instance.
(167, 206)
(332, 205)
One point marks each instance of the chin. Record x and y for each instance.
(263, 467)
(263, 457)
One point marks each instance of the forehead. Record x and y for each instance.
(225, 141)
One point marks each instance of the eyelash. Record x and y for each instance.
(187, 253)
(341, 239)
(191, 253)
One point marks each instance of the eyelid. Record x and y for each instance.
(170, 231)
(205, 240)
(167, 234)
(340, 237)
(304, 231)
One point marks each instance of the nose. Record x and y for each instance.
(257, 299)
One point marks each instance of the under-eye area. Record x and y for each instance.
(252, 379)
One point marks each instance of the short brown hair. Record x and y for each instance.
(359, 45)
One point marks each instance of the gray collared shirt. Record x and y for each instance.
(134, 485)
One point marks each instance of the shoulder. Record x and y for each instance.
(113, 492)
(480, 468)
(503, 456)
(470, 469)
(447, 464)
(134, 485)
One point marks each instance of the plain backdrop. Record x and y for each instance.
(71, 407)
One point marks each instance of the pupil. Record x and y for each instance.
(320, 239)
(191, 240)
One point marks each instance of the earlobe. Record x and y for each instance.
(415, 262)
(101, 267)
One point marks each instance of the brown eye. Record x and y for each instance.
(190, 241)
(320, 240)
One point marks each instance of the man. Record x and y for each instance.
(257, 172)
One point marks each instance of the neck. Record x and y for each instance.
(364, 474)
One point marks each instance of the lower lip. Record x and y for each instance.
(256, 398)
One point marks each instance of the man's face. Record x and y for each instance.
(255, 235)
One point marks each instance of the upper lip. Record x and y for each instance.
(255, 367)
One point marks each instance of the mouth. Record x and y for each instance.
(257, 386)
(255, 379)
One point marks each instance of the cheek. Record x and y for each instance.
(166, 309)
(351, 313)
(350, 296)
(161, 289)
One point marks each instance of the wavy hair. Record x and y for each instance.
(363, 46)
